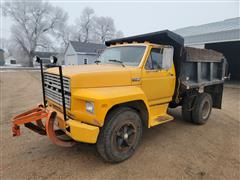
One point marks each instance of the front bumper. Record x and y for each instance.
(82, 132)
(77, 130)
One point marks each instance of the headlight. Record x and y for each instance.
(90, 107)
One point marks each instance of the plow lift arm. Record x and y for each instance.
(32, 119)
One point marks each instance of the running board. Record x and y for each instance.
(161, 120)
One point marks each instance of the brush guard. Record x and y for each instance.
(32, 119)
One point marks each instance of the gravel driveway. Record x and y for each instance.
(175, 150)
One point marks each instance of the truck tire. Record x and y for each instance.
(202, 108)
(120, 136)
(187, 107)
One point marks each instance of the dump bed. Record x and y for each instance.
(201, 67)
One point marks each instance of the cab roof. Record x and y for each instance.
(164, 37)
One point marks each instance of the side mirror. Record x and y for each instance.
(53, 59)
(36, 59)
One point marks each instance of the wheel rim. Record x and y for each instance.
(125, 137)
(205, 110)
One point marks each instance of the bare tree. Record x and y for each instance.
(86, 22)
(76, 33)
(84, 25)
(90, 28)
(104, 28)
(4, 43)
(118, 34)
(33, 21)
(63, 34)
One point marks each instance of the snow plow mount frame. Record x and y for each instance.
(27, 118)
(32, 119)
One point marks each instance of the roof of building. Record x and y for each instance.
(86, 47)
(214, 37)
(225, 25)
(227, 30)
(45, 54)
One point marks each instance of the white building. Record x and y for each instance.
(82, 53)
(11, 61)
(222, 36)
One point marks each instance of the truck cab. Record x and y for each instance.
(128, 73)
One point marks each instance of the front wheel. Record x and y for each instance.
(120, 136)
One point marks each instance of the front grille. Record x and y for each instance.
(53, 91)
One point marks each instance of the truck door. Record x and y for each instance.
(158, 76)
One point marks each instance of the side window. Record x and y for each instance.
(160, 59)
(154, 60)
(167, 58)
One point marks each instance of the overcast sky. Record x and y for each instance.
(149, 16)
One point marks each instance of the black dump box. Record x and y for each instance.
(195, 68)
(201, 67)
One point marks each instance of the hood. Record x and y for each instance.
(93, 75)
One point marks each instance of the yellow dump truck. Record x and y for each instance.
(131, 85)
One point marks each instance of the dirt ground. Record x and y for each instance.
(175, 150)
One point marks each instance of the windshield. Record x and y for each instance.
(125, 55)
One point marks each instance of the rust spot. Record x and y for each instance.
(96, 122)
(160, 118)
(104, 105)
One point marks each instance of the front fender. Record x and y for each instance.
(104, 99)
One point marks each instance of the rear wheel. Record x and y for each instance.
(202, 108)
(120, 136)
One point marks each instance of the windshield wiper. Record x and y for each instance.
(118, 61)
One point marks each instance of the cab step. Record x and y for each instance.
(161, 119)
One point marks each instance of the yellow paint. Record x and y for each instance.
(107, 85)
(78, 131)
(158, 115)
(82, 132)
(158, 85)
